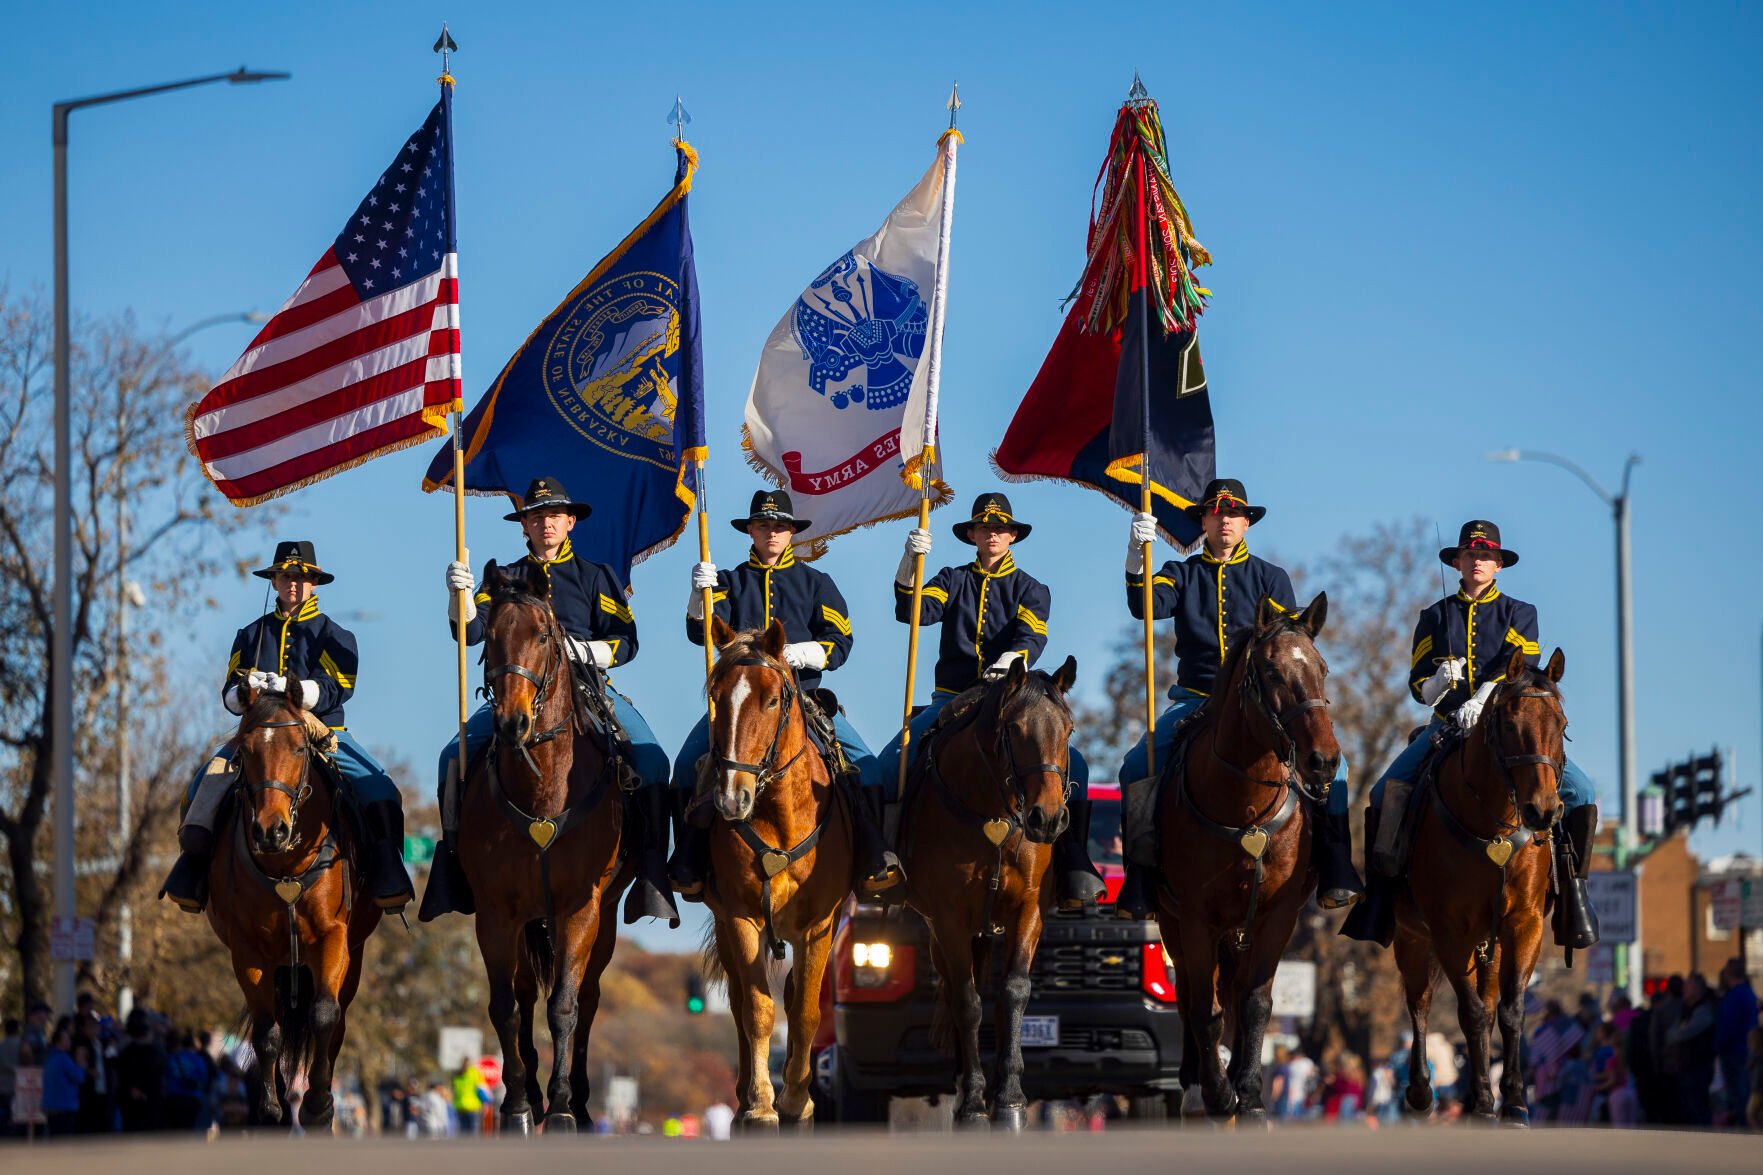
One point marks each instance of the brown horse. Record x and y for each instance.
(780, 864)
(1478, 881)
(543, 853)
(287, 904)
(990, 802)
(1235, 842)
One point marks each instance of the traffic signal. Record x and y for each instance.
(1686, 794)
(694, 995)
(1705, 787)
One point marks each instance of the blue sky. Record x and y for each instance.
(1437, 233)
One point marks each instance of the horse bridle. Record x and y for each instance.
(768, 770)
(1491, 733)
(296, 792)
(542, 683)
(1254, 692)
(1014, 788)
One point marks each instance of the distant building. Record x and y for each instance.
(1677, 898)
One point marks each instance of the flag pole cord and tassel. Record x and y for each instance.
(928, 464)
(445, 46)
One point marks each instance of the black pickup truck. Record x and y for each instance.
(1102, 1017)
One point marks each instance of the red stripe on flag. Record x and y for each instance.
(307, 413)
(276, 377)
(320, 461)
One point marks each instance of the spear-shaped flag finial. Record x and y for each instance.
(445, 46)
(1138, 95)
(678, 117)
(954, 103)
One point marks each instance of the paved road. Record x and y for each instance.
(1434, 1150)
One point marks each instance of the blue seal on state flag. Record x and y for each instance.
(861, 329)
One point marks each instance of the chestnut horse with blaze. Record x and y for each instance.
(780, 858)
(1235, 845)
(288, 906)
(543, 852)
(1478, 882)
(991, 785)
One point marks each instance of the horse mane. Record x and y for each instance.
(1531, 679)
(269, 706)
(1236, 658)
(748, 645)
(1035, 684)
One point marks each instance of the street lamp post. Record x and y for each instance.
(61, 645)
(1618, 503)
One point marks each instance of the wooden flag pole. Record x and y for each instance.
(705, 595)
(1145, 587)
(927, 460)
(445, 47)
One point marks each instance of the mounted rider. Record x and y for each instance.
(297, 650)
(774, 585)
(992, 614)
(602, 633)
(1214, 596)
(1462, 646)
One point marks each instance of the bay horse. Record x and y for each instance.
(1235, 839)
(1478, 882)
(287, 904)
(544, 821)
(989, 803)
(780, 865)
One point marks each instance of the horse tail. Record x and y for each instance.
(711, 956)
(299, 1043)
(539, 953)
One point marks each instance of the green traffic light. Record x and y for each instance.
(695, 1004)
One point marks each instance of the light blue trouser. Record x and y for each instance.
(889, 759)
(697, 745)
(361, 773)
(1185, 701)
(1574, 787)
(648, 760)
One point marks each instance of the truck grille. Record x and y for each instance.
(1070, 969)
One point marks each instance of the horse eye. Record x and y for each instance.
(771, 704)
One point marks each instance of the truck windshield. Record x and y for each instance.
(1105, 848)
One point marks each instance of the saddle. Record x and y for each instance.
(1143, 801)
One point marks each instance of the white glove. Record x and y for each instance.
(275, 683)
(582, 652)
(805, 655)
(308, 693)
(703, 576)
(1444, 677)
(258, 680)
(233, 702)
(1002, 665)
(917, 543)
(1469, 713)
(459, 579)
(1144, 530)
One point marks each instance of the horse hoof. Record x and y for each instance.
(559, 1123)
(1515, 1116)
(519, 1123)
(802, 1123)
(757, 1123)
(1193, 1102)
(1255, 1119)
(1417, 1109)
(972, 1120)
(1011, 1118)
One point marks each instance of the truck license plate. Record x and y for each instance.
(1040, 1032)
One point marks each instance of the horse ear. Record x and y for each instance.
(1065, 675)
(538, 581)
(1515, 666)
(1557, 664)
(1266, 612)
(1316, 615)
(492, 578)
(720, 632)
(774, 640)
(1016, 674)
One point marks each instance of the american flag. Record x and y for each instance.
(364, 358)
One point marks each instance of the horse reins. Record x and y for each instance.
(291, 888)
(543, 684)
(771, 859)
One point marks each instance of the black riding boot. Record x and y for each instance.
(875, 864)
(187, 883)
(645, 824)
(448, 891)
(1374, 919)
(689, 867)
(1575, 922)
(1077, 882)
(387, 882)
(1338, 885)
(1133, 902)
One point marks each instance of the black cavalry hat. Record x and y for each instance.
(1482, 534)
(771, 506)
(295, 556)
(1225, 491)
(995, 510)
(547, 493)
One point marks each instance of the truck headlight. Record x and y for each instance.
(877, 956)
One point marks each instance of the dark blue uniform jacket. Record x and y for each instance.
(1484, 631)
(805, 600)
(1213, 603)
(304, 646)
(587, 599)
(984, 615)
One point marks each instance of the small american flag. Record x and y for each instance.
(364, 358)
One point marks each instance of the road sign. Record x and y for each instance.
(1728, 902)
(27, 1097)
(70, 940)
(1600, 964)
(491, 1068)
(419, 850)
(459, 1045)
(1294, 989)
(1612, 895)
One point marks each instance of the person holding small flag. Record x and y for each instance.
(296, 650)
(774, 585)
(1213, 597)
(992, 614)
(602, 634)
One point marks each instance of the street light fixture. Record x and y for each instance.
(61, 649)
